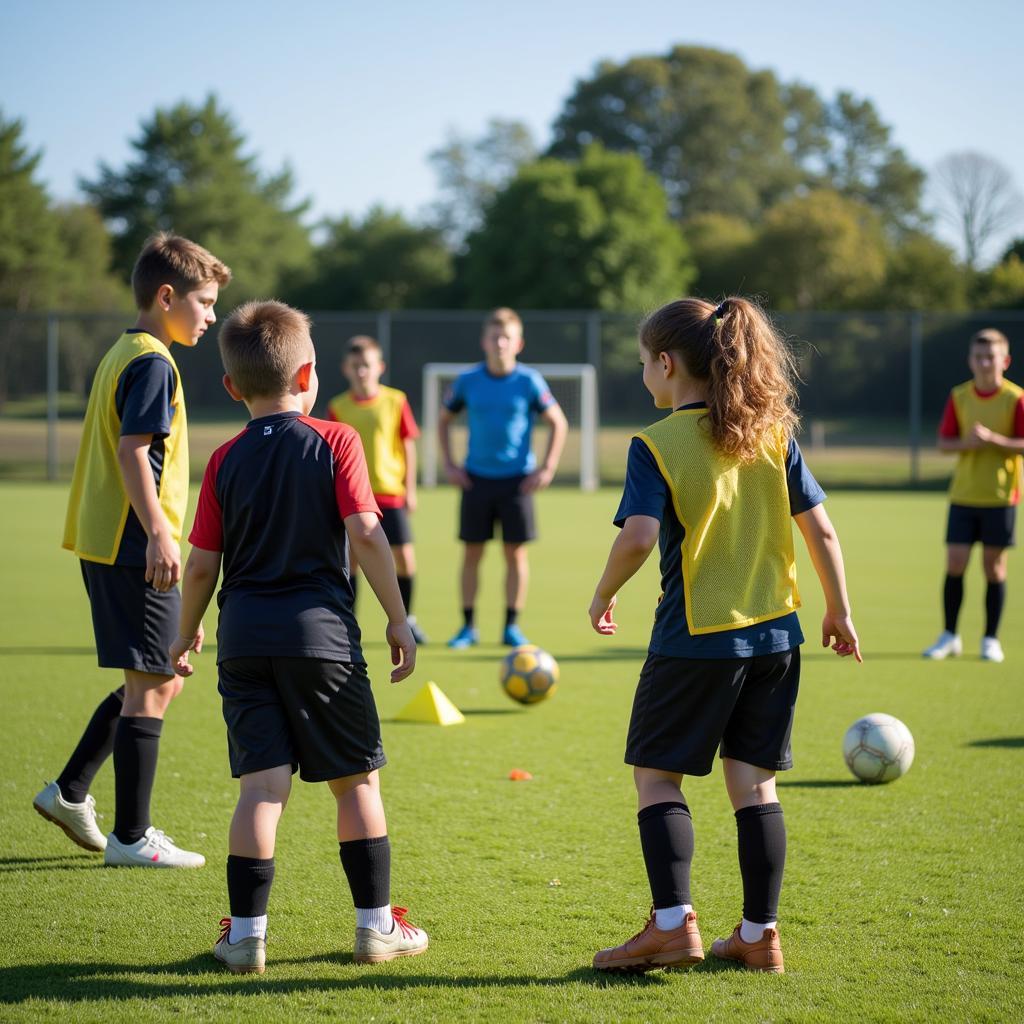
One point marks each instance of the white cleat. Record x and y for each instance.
(949, 645)
(405, 939)
(77, 820)
(153, 850)
(991, 649)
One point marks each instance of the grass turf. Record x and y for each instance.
(901, 902)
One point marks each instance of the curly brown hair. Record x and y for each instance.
(750, 371)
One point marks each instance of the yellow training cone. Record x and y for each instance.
(432, 706)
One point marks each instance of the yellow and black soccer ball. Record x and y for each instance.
(529, 674)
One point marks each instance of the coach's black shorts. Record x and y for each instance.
(685, 708)
(489, 500)
(993, 527)
(395, 523)
(318, 716)
(133, 623)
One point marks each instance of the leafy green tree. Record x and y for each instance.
(381, 262)
(30, 248)
(721, 247)
(819, 251)
(922, 273)
(471, 172)
(1002, 286)
(190, 174)
(711, 129)
(1015, 248)
(590, 234)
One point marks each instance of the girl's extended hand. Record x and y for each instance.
(837, 632)
(601, 615)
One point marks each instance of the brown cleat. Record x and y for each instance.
(651, 948)
(763, 955)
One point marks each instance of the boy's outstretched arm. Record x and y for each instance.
(199, 581)
(375, 559)
(163, 556)
(837, 629)
(456, 475)
(545, 472)
(410, 473)
(629, 551)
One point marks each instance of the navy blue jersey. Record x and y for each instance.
(646, 493)
(274, 500)
(500, 411)
(144, 396)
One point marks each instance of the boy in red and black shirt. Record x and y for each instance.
(282, 503)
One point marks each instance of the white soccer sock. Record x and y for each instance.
(380, 919)
(245, 927)
(752, 932)
(667, 918)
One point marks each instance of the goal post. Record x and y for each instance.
(577, 383)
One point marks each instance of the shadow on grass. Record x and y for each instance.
(999, 742)
(92, 982)
(598, 654)
(15, 651)
(819, 783)
(68, 862)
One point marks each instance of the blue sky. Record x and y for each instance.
(354, 96)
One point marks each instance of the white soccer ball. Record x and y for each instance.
(878, 748)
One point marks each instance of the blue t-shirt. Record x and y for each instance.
(500, 411)
(646, 493)
(144, 397)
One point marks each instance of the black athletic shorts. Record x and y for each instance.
(685, 708)
(395, 523)
(490, 500)
(318, 716)
(993, 527)
(133, 623)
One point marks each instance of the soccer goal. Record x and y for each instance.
(574, 386)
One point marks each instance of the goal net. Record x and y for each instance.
(574, 386)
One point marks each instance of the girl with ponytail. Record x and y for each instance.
(717, 483)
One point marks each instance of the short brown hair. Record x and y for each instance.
(503, 317)
(990, 336)
(262, 344)
(361, 343)
(167, 258)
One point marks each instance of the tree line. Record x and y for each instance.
(686, 171)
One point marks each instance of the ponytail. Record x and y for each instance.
(750, 372)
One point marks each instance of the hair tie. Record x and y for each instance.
(719, 309)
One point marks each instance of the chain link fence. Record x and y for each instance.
(874, 384)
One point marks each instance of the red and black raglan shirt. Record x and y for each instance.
(273, 500)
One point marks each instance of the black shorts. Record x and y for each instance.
(395, 523)
(133, 623)
(489, 500)
(317, 716)
(993, 527)
(685, 708)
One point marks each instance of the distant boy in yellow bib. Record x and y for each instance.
(984, 424)
(384, 421)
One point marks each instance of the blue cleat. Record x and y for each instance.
(514, 637)
(466, 637)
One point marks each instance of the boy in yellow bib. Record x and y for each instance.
(124, 520)
(717, 484)
(984, 424)
(384, 421)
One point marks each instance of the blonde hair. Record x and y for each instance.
(262, 344)
(750, 371)
(167, 258)
(504, 317)
(991, 336)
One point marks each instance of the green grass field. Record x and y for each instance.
(901, 902)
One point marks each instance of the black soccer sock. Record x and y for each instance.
(136, 747)
(511, 615)
(467, 615)
(952, 597)
(666, 838)
(405, 589)
(761, 836)
(93, 749)
(995, 598)
(249, 882)
(367, 864)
